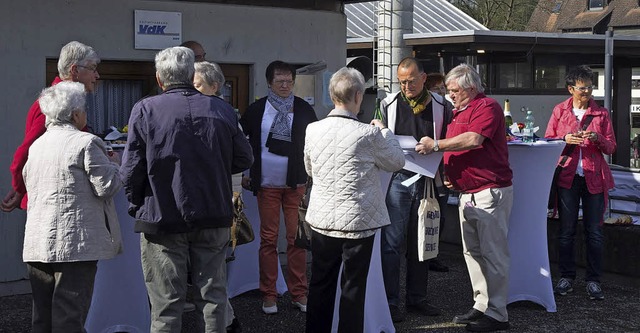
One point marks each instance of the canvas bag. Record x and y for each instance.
(428, 223)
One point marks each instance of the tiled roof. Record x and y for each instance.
(574, 15)
(428, 16)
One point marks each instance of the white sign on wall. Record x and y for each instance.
(635, 108)
(154, 30)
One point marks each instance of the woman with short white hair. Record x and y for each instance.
(347, 207)
(208, 78)
(71, 217)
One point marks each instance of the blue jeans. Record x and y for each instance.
(592, 212)
(400, 238)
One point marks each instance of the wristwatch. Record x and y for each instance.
(436, 147)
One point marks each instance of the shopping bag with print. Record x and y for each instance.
(428, 223)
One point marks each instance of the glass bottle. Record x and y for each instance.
(508, 121)
(377, 114)
(527, 133)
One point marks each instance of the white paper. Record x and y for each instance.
(426, 165)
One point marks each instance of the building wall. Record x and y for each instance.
(35, 30)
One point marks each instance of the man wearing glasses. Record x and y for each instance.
(78, 63)
(416, 112)
(197, 49)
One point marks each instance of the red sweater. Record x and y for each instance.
(33, 130)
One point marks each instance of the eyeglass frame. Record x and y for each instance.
(280, 83)
(92, 69)
(584, 89)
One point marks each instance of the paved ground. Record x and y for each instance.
(619, 312)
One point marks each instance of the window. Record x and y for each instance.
(513, 75)
(596, 4)
(557, 7)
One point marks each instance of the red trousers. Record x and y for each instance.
(270, 201)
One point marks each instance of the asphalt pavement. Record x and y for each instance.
(450, 291)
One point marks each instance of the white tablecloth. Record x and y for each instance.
(376, 308)
(119, 301)
(533, 166)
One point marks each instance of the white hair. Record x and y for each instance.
(344, 84)
(174, 66)
(60, 101)
(75, 53)
(466, 77)
(211, 73)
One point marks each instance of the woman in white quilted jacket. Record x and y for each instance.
(344, 157)
(71, 217)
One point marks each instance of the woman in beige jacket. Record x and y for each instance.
(71, 218)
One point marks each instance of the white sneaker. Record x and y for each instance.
(270, 309)
(302, 307)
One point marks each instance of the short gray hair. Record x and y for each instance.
(60, 101)
(466, 77)
(211, 73)
(75, 53)
(344, 84)
(174, 66)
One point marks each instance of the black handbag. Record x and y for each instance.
(303, 233)
(553, 193)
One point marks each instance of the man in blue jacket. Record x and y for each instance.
(181, 150)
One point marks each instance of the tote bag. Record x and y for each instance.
(428, 223)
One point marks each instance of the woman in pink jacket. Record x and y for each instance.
(585, 177)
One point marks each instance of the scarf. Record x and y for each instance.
(418, 104)
(281, 128)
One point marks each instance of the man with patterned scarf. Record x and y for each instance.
(416, 112)
(276, 126)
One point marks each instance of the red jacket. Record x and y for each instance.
(596, 170)
(34, 128)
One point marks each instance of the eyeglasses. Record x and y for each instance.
(281, 83)
(583, 89)
(408, 83)
(200, 57)
(90, 68)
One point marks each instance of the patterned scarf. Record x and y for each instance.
(281, 128)
(418, 104)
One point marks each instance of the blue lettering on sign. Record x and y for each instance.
(146, 29)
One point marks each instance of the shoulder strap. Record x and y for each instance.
(565, 157)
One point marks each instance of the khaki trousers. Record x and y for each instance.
(484, 221)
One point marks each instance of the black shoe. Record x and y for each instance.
(423, 308)
(468, 317)
(234, 327)
(396, 315)
(487, 324)
(436, 266)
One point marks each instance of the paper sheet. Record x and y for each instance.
(426, 165)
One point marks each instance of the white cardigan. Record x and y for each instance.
(70, 214)
(343, 156)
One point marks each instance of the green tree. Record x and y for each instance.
(499, 14)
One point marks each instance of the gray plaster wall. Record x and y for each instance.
(35, 30)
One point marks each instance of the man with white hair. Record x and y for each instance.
(476, 161)
(78, 63)
(181, 150)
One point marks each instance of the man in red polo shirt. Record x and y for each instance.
(476, 163)
(78, 62)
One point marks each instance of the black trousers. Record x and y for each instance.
(328, 254)
(61, 295)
